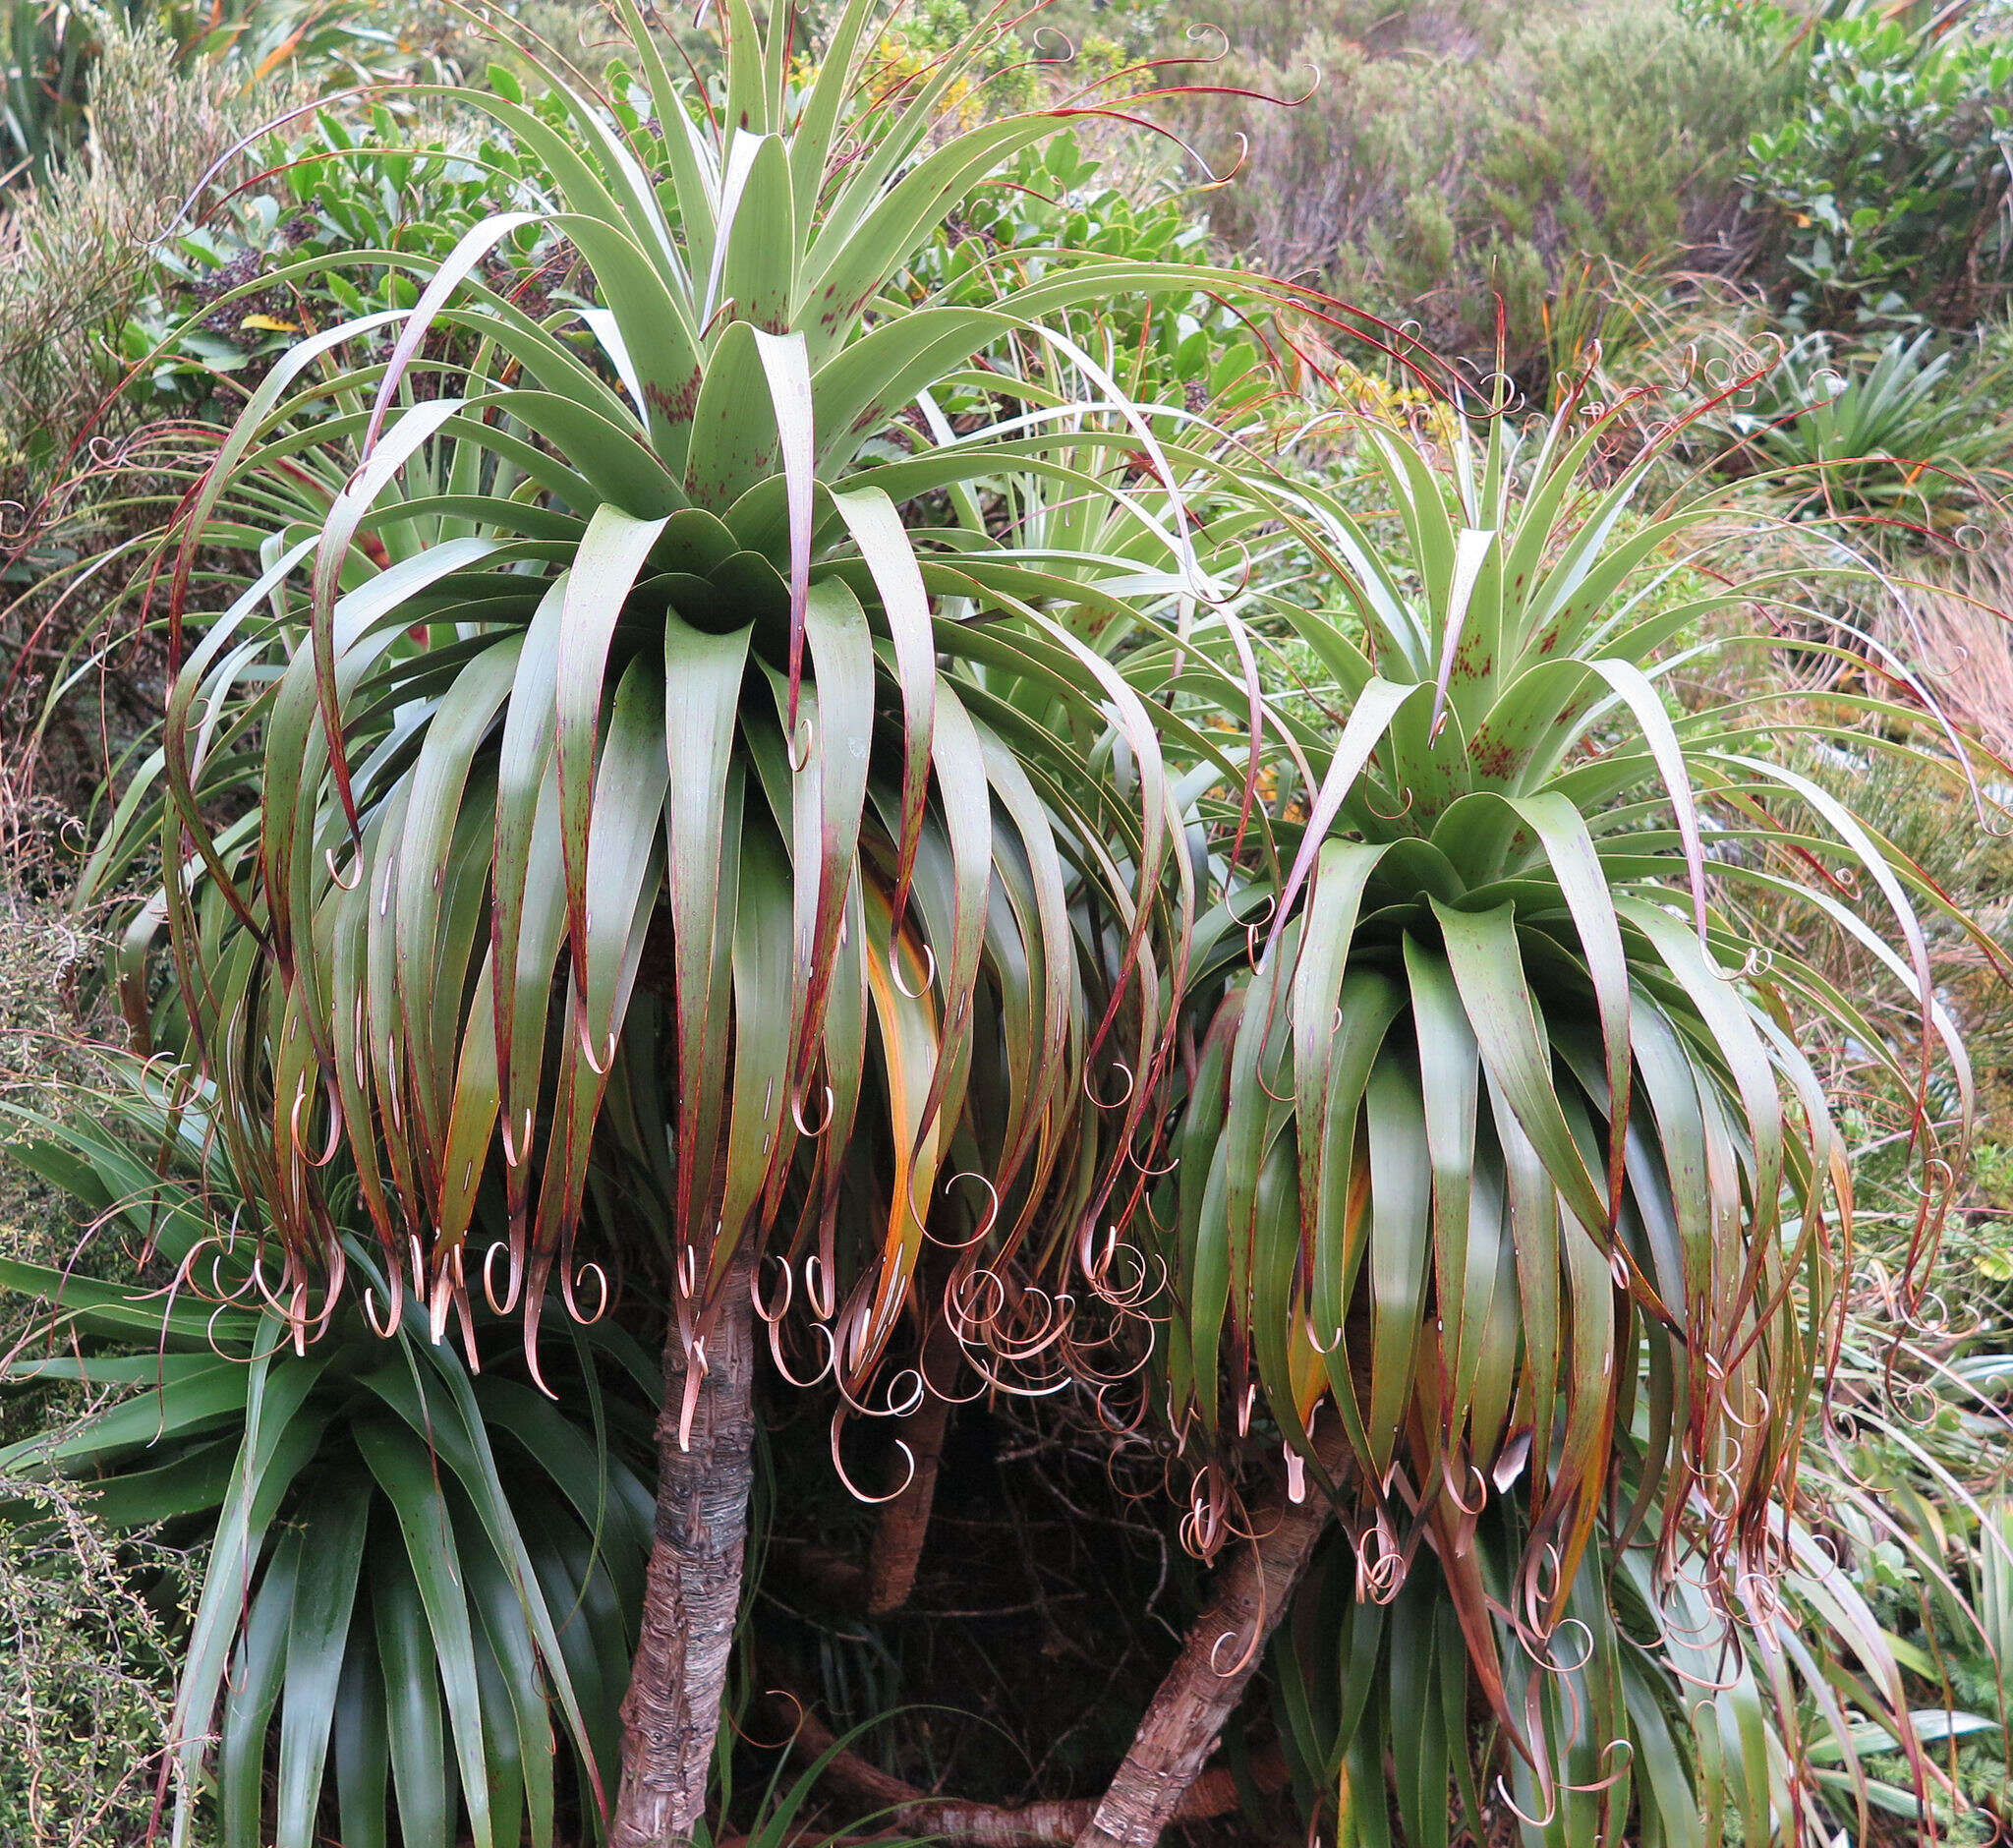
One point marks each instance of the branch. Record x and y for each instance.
(1186, 1718)
(905, 1521)
(1052, 1824)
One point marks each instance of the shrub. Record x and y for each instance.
(629, 421)
(72, 257)
(127, 282)
(1398, 1265)
(340, 225)
(60, 63)
(1885, 186)
(1056, 202)
(87, 1684)
(1491, 159)
(73, 263)
(41, 1048)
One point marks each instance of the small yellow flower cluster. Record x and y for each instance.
(906, 66)
(1398, 407)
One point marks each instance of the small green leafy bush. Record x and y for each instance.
(1058, 199)
(1885, 184)
(210, 330)
(73, 255)
(87, 1679)
(59, 60)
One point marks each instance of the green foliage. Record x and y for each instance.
(88, 1617)
(88, 1674)
(74, 265)
(1956, 836)
(376, 206)
(1648, 1703)
(54, 69)
(1062, 48)
(781, 1804)
(43, 1057)
(73, 255)
(1412, 29)
(1038, 217)
(415, 1567)
(663, 517)
(1909, 1481)
(1904, 436)
(1885, 184)
(1425, 186)
(707, 617)
(1499, 1125)
(1130, 28)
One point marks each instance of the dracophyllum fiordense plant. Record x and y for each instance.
(421, 1579)
(1502, 1189)
(604, 842)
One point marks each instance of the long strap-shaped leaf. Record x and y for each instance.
(703, 677)
(278, 1436)
(1487, 960)
(403, 1471)
(624, 862)
(611, 555)
(883, 543)
(1368, 722)
(317, 1642)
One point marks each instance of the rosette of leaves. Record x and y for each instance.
(449, 654)
(1504, 1193)
(1879, 437)
(599, 793)
(423, 1577)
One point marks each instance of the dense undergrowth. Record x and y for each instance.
(1775, 242)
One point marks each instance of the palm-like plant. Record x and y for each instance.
(646, 823)
(1502, 1191)
(420, 1573)
(1875, 440)
(667, 855)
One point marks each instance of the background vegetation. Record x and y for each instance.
(1779, 238)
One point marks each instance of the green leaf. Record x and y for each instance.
(703, 677)
(421, 1768)
(264, 1647)
(361, 1747)
(406, 1475)
(333, 1522)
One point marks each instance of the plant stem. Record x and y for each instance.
(904, 1523)
(692, 1592)
(1186, 1718)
